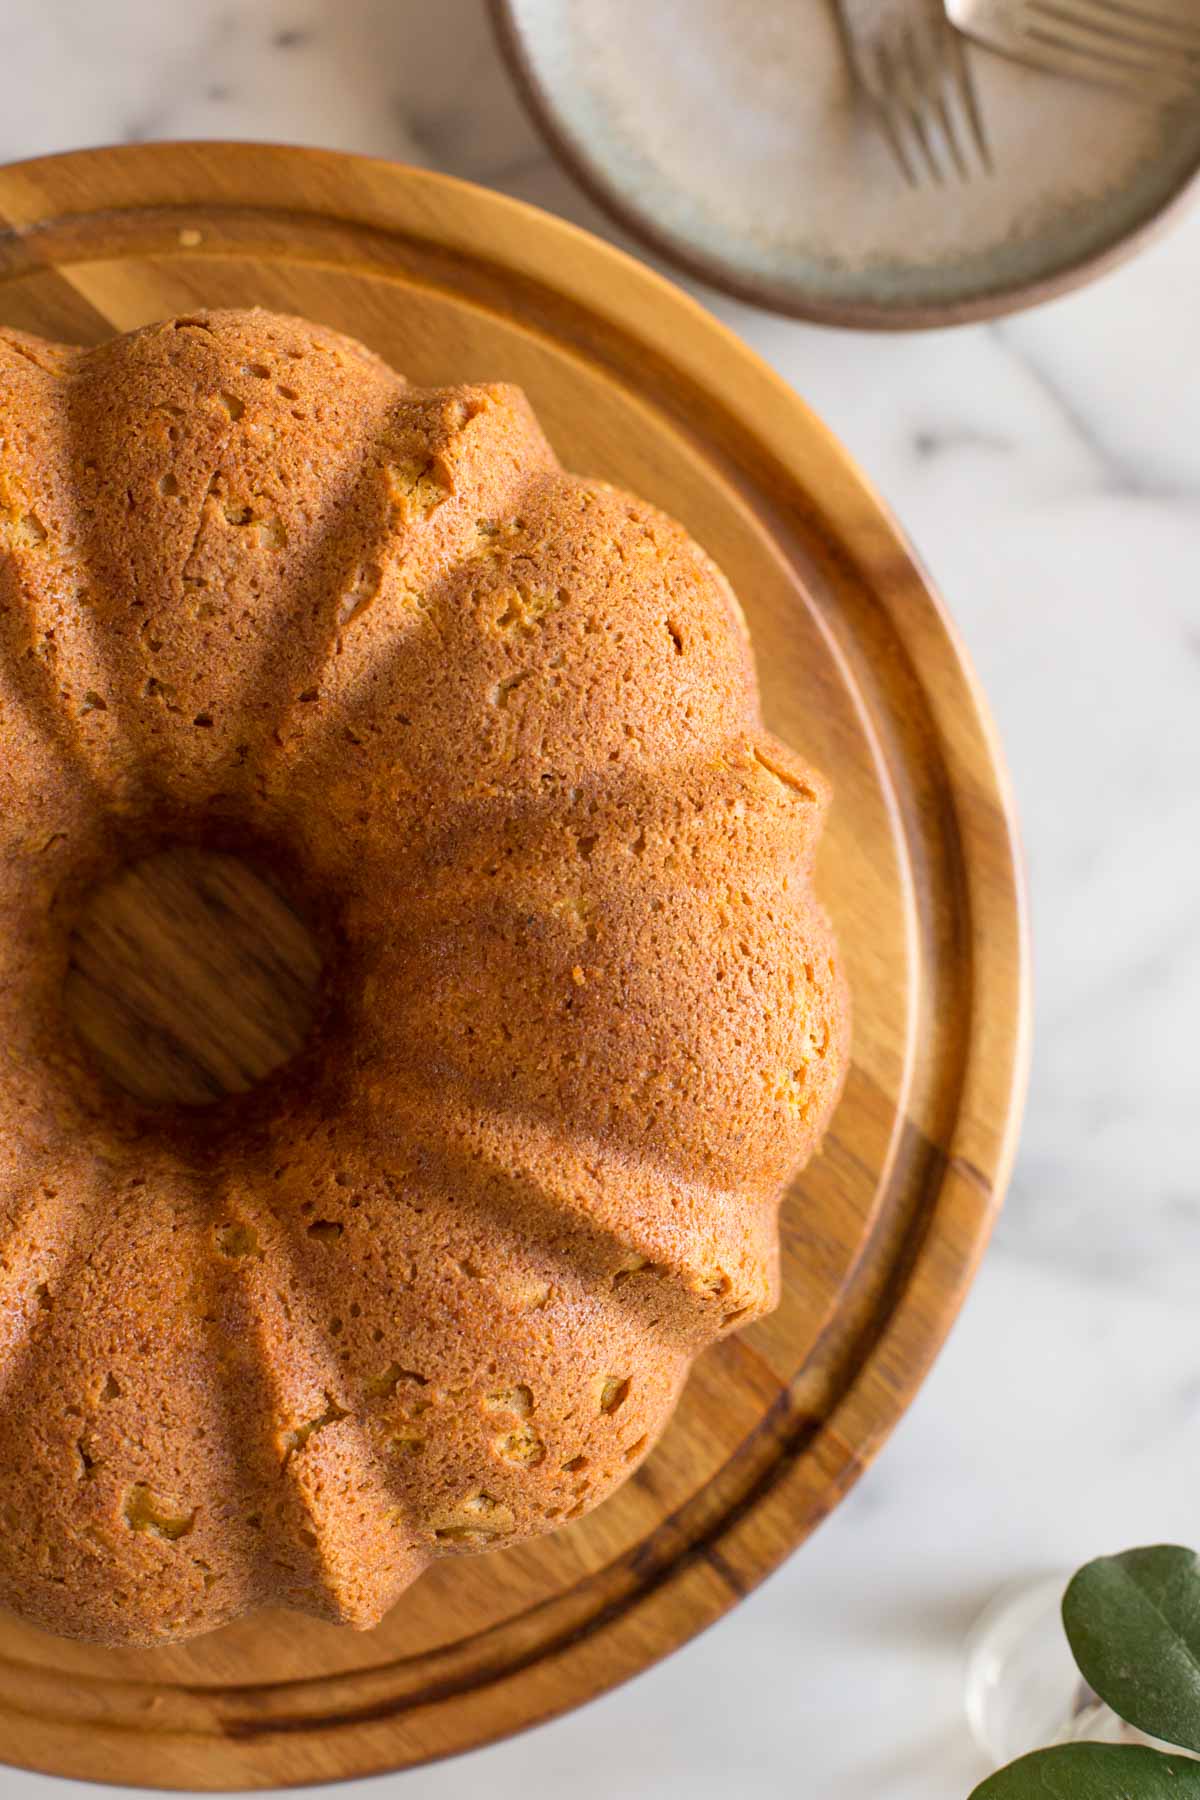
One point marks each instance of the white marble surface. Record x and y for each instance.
(1049, 470)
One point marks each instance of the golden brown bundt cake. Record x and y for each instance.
(433, 1284)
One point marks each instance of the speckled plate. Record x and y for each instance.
(731, 141)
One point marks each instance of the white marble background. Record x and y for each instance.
(1049, 470)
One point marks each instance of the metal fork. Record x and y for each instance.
(911, 64)
(1118, 43)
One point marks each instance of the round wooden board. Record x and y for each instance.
(861, 671)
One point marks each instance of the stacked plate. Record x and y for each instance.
(730, 139)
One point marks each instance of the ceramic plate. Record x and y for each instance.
(730, 139)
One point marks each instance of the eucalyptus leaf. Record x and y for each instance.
(1133, 1622)
(1094, 1772)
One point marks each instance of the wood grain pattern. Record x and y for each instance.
(861, 670)
(191, 977)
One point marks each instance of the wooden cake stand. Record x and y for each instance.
(861, 670)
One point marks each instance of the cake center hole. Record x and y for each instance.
(191, 977)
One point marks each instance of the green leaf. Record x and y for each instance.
(1133, 1622)
(1094, 1772)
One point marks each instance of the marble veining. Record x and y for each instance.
(1048, 468)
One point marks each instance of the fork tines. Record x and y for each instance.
(927, 106)
(1138, 41)
(1122, 43)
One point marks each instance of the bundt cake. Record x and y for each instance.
(282, 636)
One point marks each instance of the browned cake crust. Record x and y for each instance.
(435, 1285)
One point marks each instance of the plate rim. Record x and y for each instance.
(780, 297)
